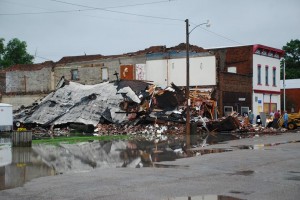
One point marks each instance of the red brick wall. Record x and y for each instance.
(2, 83)
(241, 58)
(236, 85)
(292, 99)
(235, 82)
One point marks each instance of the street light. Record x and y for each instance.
(187, 89)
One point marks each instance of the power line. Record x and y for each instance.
(222, 36)
(47, 59)
(45, 12)
(143, 16)
(106, 9)
(123, 6)
(125, 13)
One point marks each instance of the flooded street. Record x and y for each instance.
(20, 165)
(256, 168)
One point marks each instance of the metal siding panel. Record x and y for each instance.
(156, 71)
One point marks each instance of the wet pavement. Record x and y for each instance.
(20, 165)
(24, 165)
(205, 197)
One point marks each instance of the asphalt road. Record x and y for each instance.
(266, 172)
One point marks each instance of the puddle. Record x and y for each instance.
(209, 151)
(156, 165)
(262, 146)
(293, 178)
(221, 138)
(294, 172)
(204, 197)
(243, 173)
(20, 165)
(240, 192)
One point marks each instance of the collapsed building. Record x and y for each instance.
(222, 81)
(119, 102)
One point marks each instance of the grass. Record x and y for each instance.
(72, 140)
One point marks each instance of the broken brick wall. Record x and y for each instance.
(232, 86)
(21, 100)
(241, 58)
(87, 74)
(90, 72)
(28, 81)
(292, 100)
(234, 90)
(2, 83)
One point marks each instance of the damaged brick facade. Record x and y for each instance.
(234, 87)
(237, 78)
(234, 66)
(27, 79)
(292, 100)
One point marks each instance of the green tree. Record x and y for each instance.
(14, 53)
(292, 59)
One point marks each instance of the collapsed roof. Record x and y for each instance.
(77, 103)
(118, 102)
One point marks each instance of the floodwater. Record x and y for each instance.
(20, 165)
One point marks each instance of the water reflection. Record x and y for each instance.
(19, 165)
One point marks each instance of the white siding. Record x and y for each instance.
(290, 84)
(266, 61)
(156, 71)
(6, 117)
(164, 72)
(266, 93)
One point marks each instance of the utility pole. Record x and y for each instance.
(187, 89)
(283, 84)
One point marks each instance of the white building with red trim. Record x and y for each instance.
(266, 79)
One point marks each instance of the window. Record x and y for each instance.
(231, 69)
(244, 111)
(259, 74)
(228, 110)
(74, 74)
(267, 74)
(270, 107)
(274, 76)
(104, 73)
(270, 54)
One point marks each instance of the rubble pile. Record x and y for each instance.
(129, 107)
(120, 103)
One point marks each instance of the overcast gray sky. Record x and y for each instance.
(53, 29)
